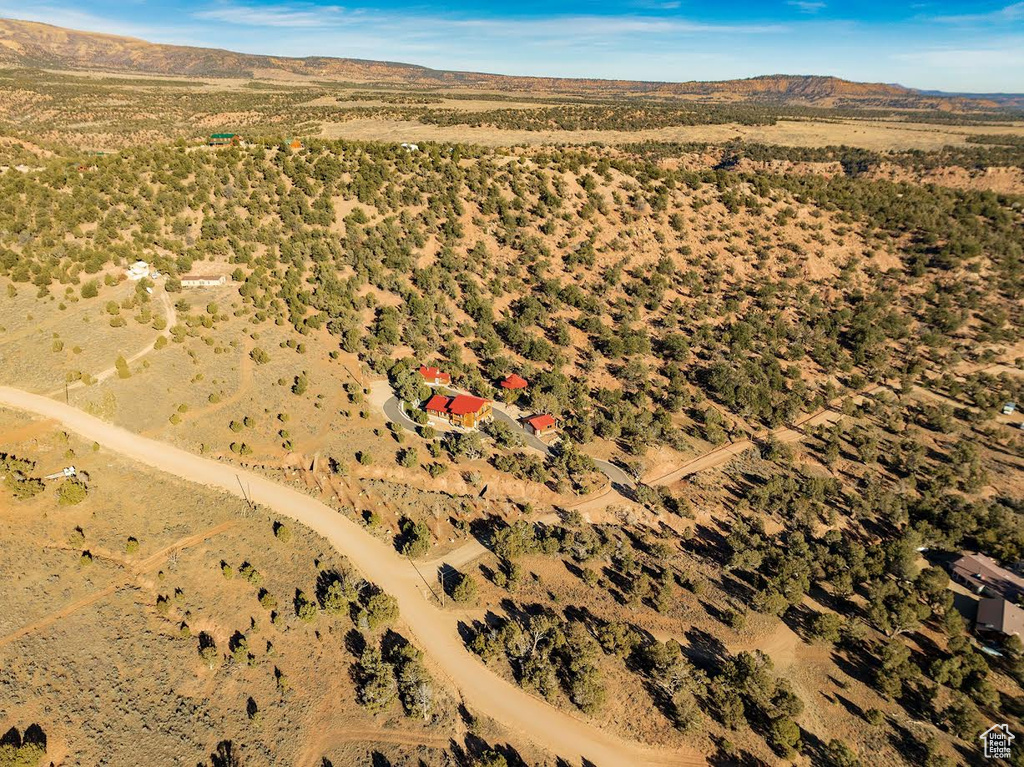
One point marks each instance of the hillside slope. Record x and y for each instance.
(31, 44)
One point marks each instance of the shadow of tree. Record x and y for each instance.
(225, 755)
(475, 749)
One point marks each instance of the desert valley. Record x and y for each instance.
(357, 413)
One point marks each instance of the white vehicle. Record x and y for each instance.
(67, 471)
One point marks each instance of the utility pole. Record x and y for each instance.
(67, 396)
(440, 578)
(247, 496)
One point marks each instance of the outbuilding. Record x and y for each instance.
(434, 377)
(202, 280)
(542, 424)
(513, 382)
(1000, 617)
(225, 139)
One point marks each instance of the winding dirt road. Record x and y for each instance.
(434, 630)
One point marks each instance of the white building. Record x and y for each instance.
(137, 271)
(202, 280)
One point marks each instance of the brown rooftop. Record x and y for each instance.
(984, 571)
(999, 615)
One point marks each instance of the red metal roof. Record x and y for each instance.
(514, 381)
(434, 374)
(465, 404)
(541, 422)
(437, 404)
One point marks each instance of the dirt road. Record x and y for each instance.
(435, 631)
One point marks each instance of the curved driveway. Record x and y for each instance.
(434, 630)
(393, 412)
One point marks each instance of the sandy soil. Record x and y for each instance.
(434, 630)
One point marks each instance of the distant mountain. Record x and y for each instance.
(30, 44)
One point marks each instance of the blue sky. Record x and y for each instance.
(962, 45)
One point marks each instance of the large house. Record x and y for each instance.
(461, 410)
(983, 575)
(999, 616)
(434, 377)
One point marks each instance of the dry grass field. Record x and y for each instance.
(42, 341)
(105, 604)
(864, 134)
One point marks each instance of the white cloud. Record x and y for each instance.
(807, 6)
(272, 16)
(1009, 13)
(327, 17)
(567, 27)
(73, 18)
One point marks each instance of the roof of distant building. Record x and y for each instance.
(438, 404)
(988, 572)
(464, 404)
(514, 381)
(1001, 615)
(539, 422)
(434, 373)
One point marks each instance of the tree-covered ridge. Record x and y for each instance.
(637, 116)
(649, 305)
(628, 290)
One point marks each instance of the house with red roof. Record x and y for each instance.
(513, 382)
(539, 425)
(434, 377)
(437, 406)
(463, 410)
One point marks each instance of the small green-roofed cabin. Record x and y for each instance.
(225, 139)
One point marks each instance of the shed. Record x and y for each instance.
(202, 280)
(514, 381)
(542, 424)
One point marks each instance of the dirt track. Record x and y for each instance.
(136, 569)
(171, 317)
(435, 631)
